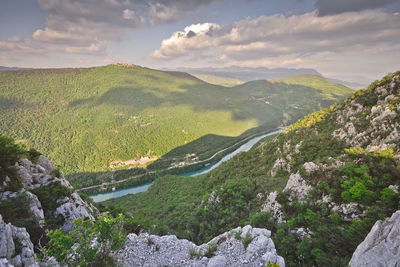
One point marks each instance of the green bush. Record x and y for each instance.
(106, 230)
(389, 197)
(247, 240)
(49, 194)
(263, 219)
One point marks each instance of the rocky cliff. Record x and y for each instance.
(245, 246)
(43, 199)
(16, 247)
(381, 247)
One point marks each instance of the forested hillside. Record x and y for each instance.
(319, 186)
(123, 116)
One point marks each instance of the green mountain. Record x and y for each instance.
(319, 185)
(218, 80)
(91, 120)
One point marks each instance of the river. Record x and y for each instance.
(143, 187)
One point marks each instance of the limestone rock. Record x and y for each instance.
(381, 247)
(16, 248)
(74, 207)
(298, 187)
(152, 250)
(272, 206)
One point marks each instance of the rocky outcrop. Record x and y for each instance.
(226, 249)
(381, 247)
(16, 248)
(73, 207)
(34, 176)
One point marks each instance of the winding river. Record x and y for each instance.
(143, 187)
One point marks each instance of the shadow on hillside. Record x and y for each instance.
(7, 103)
(259, 100)
(203, 147)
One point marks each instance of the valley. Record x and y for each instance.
(122, 113)
(206, 133)
(319, 185)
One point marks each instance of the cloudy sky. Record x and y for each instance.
(354, 40)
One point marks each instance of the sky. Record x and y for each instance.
(352, 40)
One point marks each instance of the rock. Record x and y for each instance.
(395, 188)
(4, 263)
(152, 250)
(381, 247)
(274, 258)
(11, 238)
(310, 167)
(273, 206)
(217, 261)
(45, 163)
(298, 187)
(72, 208)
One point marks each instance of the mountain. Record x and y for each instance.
(232, 76)
(319, 186)
(249, 74)
(93, 121)
(353, 85)
(218, 80)
(12, 68)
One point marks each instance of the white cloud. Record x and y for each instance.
(272, 36)
(87, 26)
(194, 37)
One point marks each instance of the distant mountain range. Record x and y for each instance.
(245, 74)
(12, 68)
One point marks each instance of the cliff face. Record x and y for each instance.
(45, 200)
(381, 247)
(16, 247)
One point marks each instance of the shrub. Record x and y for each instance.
(89, 243)
(388, 196)
(247, 240)
(194, 253)
(212, 247)
(263, 219)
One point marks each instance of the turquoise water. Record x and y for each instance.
(121, 192)
(143, 187)
(243, 148)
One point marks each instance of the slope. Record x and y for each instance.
(218, 80)
(123, 116)
(319, 186)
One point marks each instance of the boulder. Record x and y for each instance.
(381, 247)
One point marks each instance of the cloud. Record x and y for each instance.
(19, 45)
(330, 7)
(194, 37)
(87, 26)
(280, 35)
